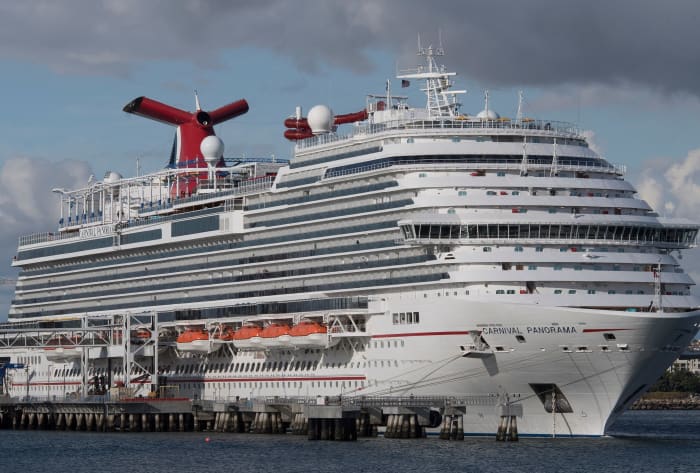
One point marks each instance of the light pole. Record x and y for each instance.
(62, 192)
(48, 395)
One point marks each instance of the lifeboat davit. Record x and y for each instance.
(62, 348)
(307, 334)
(223, 335)
(195, 341)
(276, 335)
(247, 337)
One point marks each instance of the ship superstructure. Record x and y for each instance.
(411, 252)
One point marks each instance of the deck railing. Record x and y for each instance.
(454, 125)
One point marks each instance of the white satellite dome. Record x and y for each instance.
(488, 115)
(320, 119)
(212, 149)
(112, 177)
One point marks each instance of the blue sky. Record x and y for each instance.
(624, 71)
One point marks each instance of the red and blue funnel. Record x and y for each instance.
(192, 127)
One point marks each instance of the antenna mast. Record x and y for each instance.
(519, 113)
(518, 120)
(441, 100)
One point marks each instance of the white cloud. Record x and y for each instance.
(651, 190)
(682, 181)
(27, 204)
(592, 144)
(671, 188)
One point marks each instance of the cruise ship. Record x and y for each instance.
(403, 251)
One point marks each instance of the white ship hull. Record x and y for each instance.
(598, 378)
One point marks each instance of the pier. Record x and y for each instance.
(319, 418)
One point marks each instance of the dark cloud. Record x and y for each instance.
(501, 42)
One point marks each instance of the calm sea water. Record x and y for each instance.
(649, 441)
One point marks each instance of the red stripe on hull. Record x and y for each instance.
(422, 334)
(592, 330)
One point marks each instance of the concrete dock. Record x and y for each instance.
(317, 418)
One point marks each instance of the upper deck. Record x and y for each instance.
(389, 117)
(526, 129)
(117, 203)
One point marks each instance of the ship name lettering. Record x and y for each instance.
(91, 232)
(554, 329)
(502, 331)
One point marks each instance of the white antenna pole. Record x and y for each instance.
(388, 93)
(486, 99)
(519, 114)
(196, 101)
(523, 163)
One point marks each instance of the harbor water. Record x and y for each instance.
(640, 441)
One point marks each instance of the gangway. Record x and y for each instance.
(4, 367)
(96, 337)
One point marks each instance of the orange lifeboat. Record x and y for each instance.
(276, 335)
(308, 333)
(62, 348)
(194, 341)
(140, 336)
(247, 337)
